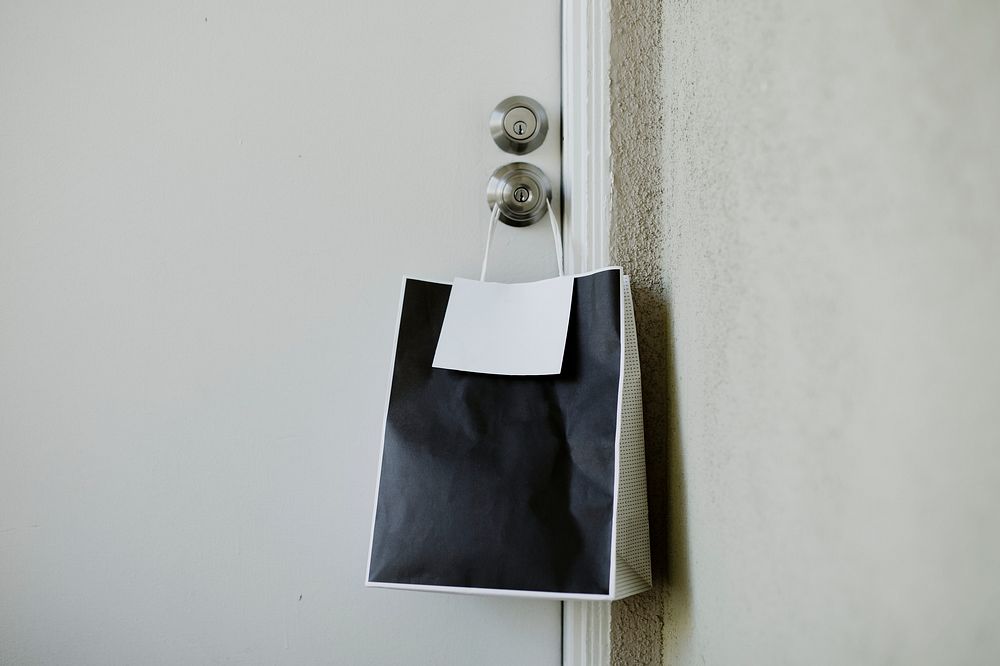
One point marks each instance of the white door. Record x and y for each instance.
(205, 212)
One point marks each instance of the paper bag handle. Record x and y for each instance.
(556, 236)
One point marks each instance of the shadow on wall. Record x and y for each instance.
(665, 466)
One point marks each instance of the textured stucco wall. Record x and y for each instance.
(637, 244)
(822, 208)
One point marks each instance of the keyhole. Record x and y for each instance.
(520, 127)
(521, 194)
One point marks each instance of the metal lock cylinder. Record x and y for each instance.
(518, 124)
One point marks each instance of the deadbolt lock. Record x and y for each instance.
(518, 124)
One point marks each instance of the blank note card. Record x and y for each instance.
(506, 329)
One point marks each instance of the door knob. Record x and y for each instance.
(518, 125)
(521, 190)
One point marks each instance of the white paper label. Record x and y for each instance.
(506, 329)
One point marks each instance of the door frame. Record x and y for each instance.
(587, 197)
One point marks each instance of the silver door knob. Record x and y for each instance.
(521, 190)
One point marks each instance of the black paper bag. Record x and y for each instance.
(515, 485)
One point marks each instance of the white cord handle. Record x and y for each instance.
(494, 216)
(556, 236)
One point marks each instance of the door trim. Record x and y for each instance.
(586, 183)
(586, 126)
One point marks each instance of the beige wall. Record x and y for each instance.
(823, 329)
